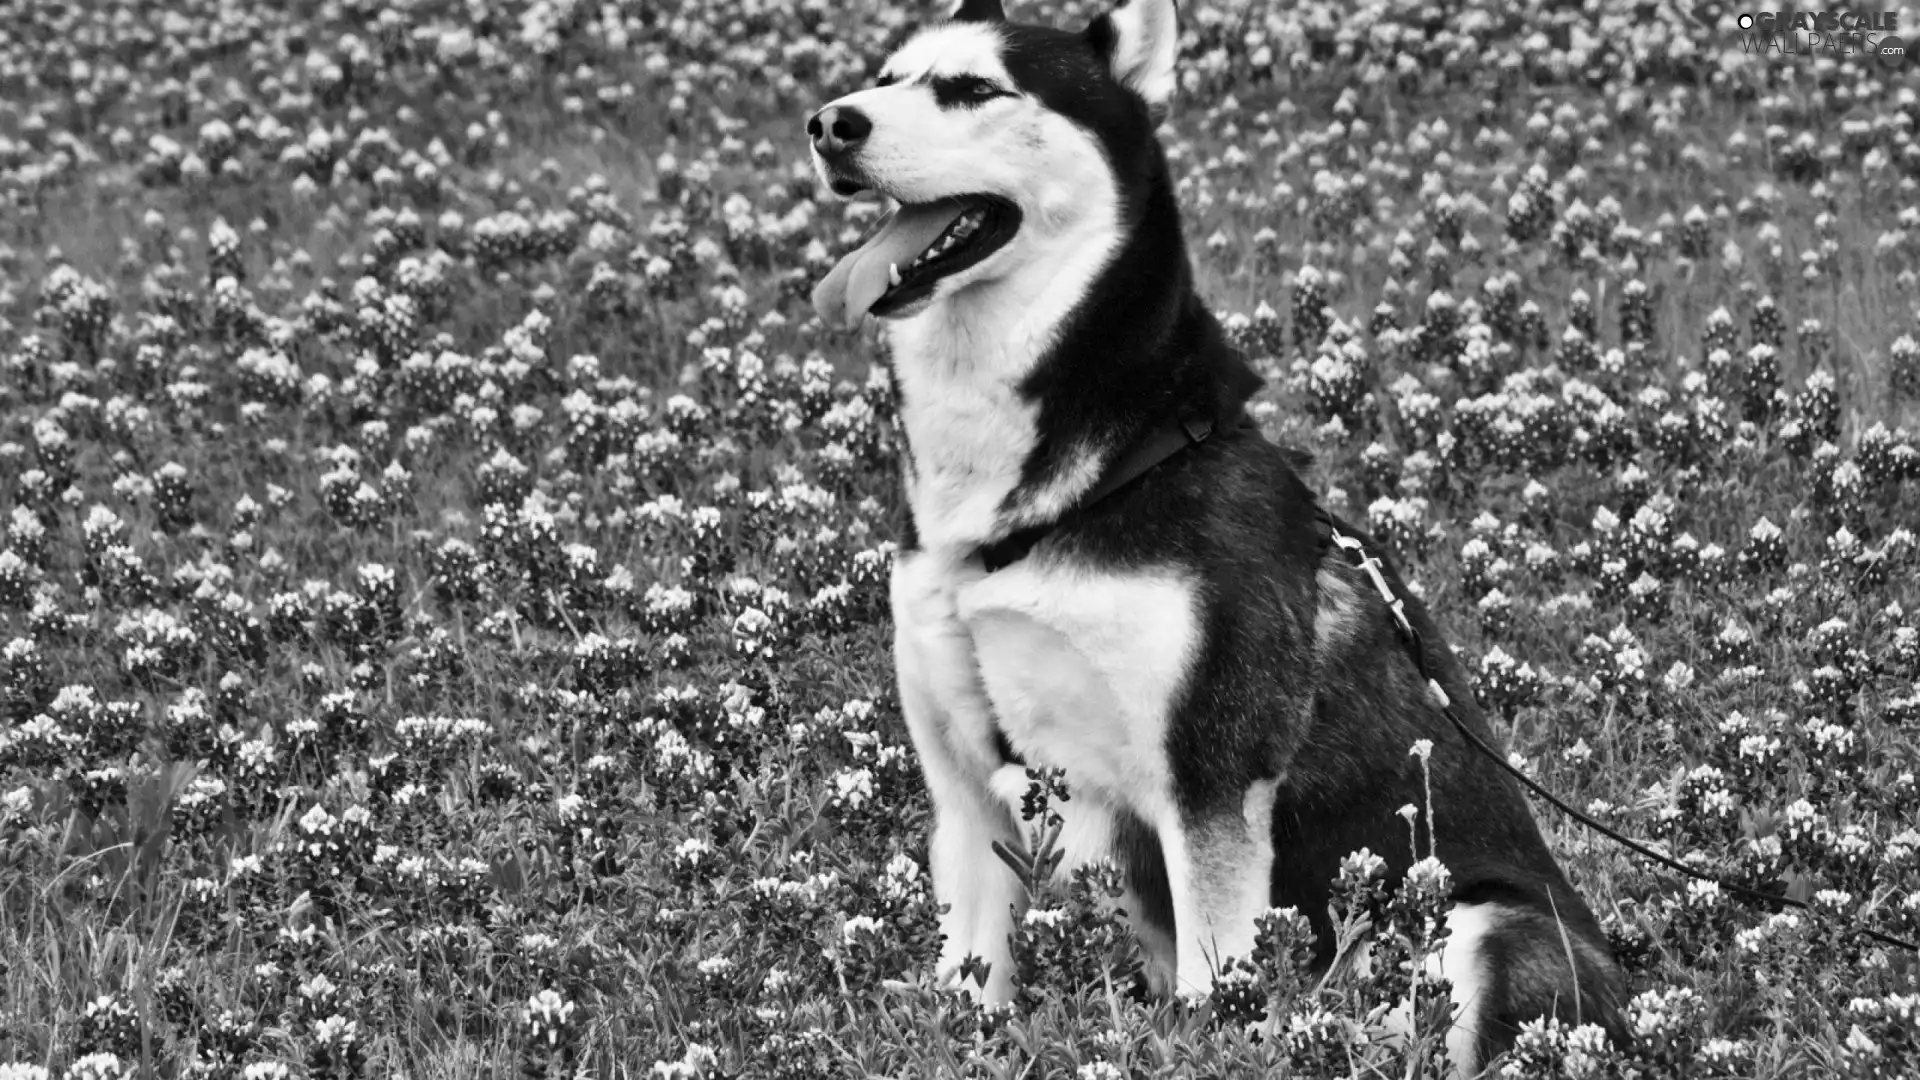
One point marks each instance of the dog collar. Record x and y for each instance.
(1323, 527)
(1161, 443)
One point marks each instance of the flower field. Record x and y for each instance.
(443, 590)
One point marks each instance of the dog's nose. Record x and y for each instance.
(838, 129)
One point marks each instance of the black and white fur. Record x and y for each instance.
(1229, 702)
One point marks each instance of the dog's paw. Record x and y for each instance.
(1193, 983)
(968, 973)
(1270, 1028)
(957, 977)
(1159, 981)
(1193, 996)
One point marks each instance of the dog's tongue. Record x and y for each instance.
(858, 281)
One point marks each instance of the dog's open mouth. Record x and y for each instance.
(915, 247)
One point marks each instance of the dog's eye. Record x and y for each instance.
(966, 90)
(886, 80)
(981, 90)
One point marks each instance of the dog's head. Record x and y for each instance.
(1008, 147)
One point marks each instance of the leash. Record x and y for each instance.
(1357, 553)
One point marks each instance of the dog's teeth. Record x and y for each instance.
(893, 273)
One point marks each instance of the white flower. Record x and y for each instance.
(14, 806)
(901, 879)
(1047, 917)
(852, 788)
(97, 1067)
(860, 924)
(691, 852)
(548, 1012)
(317, 820)
(336, 1030)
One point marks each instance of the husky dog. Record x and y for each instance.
(1162, 620)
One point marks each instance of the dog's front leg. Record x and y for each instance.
(951, 723)
(1219, 874)
(980, 891)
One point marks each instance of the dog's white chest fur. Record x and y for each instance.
(1079, 669)
(971, 430)
(971, 434)
(1083, 667)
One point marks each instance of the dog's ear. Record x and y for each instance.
(1139, 40)
(978, 11)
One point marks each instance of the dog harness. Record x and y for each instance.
(1188, 428)
(1161, 443)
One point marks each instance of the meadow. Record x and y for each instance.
(443, 623)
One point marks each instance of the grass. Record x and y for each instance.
(685, 776)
